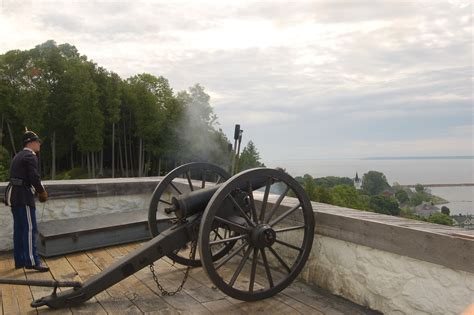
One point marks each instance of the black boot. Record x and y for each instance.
(39, 268)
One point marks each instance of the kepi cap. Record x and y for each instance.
(30, 136)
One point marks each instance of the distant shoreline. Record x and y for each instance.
(440, 185)
(461, 157)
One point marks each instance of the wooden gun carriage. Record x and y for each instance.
(218, 223)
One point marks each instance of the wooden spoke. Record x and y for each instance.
(240, 266)
(230, 256)
(265, 199)
(203, 183)
(166, 202)
(288, 245)
(252, 202)
(237, 227)
(242, 212)
(290, 228)
(284, 215)
(280, 259)
(277, 204)
(175, 188)
(267, 267)
(252, 271)
(188, 176)
(235, 238)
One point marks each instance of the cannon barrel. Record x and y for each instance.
(196, 201)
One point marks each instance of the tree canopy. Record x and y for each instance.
(373, 183)
(328, 190)
(90, 118)
(331, 181)
(249, 158)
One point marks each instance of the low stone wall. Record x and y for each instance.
(388, 282)
(81, 198)
(390, 264)
(386, 263)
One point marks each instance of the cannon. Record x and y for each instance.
(216, 222)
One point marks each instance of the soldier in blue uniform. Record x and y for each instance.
(25, 181)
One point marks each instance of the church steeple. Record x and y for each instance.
(357, 181)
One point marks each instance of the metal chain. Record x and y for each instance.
(165, 292)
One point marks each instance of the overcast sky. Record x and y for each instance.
(305, 79)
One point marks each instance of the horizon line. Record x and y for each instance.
(432, 157)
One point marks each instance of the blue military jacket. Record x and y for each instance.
(24, 176)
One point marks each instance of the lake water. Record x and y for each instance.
(403, 171)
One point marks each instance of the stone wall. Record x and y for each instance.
(81, 198)
(390, 283)
(386, 263)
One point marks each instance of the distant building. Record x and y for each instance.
(426, 209)
(387, 193)
(464, 221)
(357, 182)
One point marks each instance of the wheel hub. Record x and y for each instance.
(263, 236)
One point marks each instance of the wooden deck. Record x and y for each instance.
(138, 293)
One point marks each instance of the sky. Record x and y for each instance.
(304, 79)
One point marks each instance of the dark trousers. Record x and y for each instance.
(24, 236)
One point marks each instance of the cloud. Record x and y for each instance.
(417, 147)
(259, 118)
(465, 131)
(336, 70)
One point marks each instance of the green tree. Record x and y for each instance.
(331, 181)
(4, 163)
(250, 158)
(445, 210)
(50, 64)
(348, 196)
(402, 196)
(86, 114)
(323, 194)
(82, 110)
(308, 185)
(151, 96)
(418, 198)
(385, 205)
(373, 183)
(440, 218)
(419, 188)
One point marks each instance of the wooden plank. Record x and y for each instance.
(222, 307)
(324, 301)
(132, 288)
(149, 296)
(1, 302)
(267, 306)
(87, 269)
(39, 292)
(298, 298)
(9, 300)
(200, 288)
(167, 275)
(63, 270)
(21, 294)
(296, 305)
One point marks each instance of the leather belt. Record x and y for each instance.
(17, 182)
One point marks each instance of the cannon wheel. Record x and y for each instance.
(278, 238)
(160, 200)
